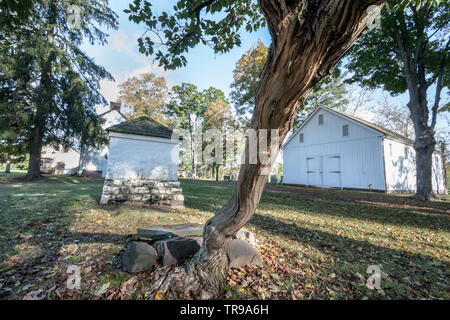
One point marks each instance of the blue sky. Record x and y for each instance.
(205, 69)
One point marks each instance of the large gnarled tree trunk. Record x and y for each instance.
(309, 37)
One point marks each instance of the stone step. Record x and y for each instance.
(154, 235)
(188, 230)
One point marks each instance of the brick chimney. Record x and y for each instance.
(115, 106)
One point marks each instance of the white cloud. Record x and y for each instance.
(125, 45)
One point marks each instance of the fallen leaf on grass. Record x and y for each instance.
(159, 296)
(102, 290)
(128, 286)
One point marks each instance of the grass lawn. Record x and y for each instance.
(316, 244)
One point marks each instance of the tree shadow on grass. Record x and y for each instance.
(355, 255)
(374, 198)
(342, 248)
(361, 211)
(364, 206)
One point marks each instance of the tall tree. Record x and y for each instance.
(357, 98)
(408, 53)
(218, 117)
(309, 37)
(330, 92)
(57, 96)
(246, 76)
(14, 12)
(187, 105)
(394, 118)
(11, 151)
(147, 95)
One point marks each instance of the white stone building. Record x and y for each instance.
(142, 164)
(335, 150)
(93, 162)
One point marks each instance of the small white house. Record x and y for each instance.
(93, 162)
(334, 150)
(59, 160)
(142, 164)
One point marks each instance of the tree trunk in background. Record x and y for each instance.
(34, 164)
(444, 165)
(194, 165)
(309, 38)
(424, 146)
(8, 166)
(424, 143)
(217, 173)
(44, 102)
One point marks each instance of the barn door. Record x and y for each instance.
(314, 171)
(332, 171)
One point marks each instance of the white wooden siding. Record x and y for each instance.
(328, 159)
(354, 161)
(401, 167)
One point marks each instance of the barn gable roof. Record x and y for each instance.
(359, 121)
(143, 126)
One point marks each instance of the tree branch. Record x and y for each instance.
(439, 87)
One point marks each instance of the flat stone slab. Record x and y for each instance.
(188, 230)
(154, 235)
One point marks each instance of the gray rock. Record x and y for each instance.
(175, 250)
(248, 236)
(139, 256)
(199, 240)
(240, 254)
(154, 234)
(188, 230)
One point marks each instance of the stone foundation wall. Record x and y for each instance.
(164, 193)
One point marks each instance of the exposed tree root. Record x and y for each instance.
(422, 197)
(202, 277)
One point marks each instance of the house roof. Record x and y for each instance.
(362, 122)
(111, 110)
(144, 126)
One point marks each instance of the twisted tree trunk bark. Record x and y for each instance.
(309, 37)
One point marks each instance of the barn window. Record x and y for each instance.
(390, 149)
(320, 118)
(301, 137)
(406, 152)
(345, 130)
(42, 163)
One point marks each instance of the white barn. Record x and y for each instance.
(142, 164)
(334, 150)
